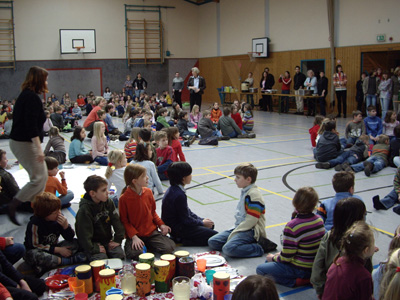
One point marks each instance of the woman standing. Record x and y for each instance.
(263, 86)
(286, 81)
(395, 89)
(196, 86)
(250, 81)
(385, 90)
(322, 85)
(311, 84)
(340, 83)
(27, 135)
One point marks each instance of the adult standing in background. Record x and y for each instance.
(311, 84)
(395, 89)
(269, 83)
(250, 81)
(340, 84)
(370, 89)
(299, 79)
(322, 85)
(27, 135)
(385, 93)
(360, 94)
(196, 85)
(128, 86)
(177, 86)
(286, 81)
(140, 84)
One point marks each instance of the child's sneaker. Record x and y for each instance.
(346, 167)
(79, 258)
(339, 167)
(323, 165)
(368, 167)
(251, 135)
(192, 139)
(377, 203)
(267, 245)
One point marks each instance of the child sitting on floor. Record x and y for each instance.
(57, 143)
(229, 128)
(328, 145)
(115, 173)
(53, 185)
(248, 120)
(343, 184)
(165, 154)
(130, 145)
(389, 123)
(236, 116)
(98, 227)
(145, 136)
(137, 209)
(354, 129)
(390, 199)
(256, 287)
(373, 125)
(356, 153)
(99, 144)
(77, 153)
(186, 226)
(347, 278)
(314, 130)
(44, 252)
(378, 159)
(206, 127)
(301, 237)
(161, 121)
(216, 113)
(173, 141)
(247, 238)
(184, 127)
(195, 115)
(347, 211)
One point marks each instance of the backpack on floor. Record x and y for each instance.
(210, 141)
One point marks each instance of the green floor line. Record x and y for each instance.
(212, 203)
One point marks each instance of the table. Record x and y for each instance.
(254, 94)
(230, 97)
(289, 95)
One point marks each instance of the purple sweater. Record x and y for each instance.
(301, 238)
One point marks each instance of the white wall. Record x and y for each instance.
(208, 30)
(37, 25)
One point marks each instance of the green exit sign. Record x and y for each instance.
(381, 37)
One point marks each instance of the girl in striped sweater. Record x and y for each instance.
(301, 238)
(248, 121)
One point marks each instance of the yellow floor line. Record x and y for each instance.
(254, 161)
(383, 231)
(275, 225)
(277, 194)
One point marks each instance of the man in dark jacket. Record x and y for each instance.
(322, 87)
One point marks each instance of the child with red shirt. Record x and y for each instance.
(236, 116)
(173, 141)
(137, 209)
(314, 130)
(216, 113)
(53, 185)
(165, 154)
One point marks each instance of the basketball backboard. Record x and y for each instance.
(260, 46)
(74, 41)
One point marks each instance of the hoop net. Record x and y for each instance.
(253, 55)
(79, 48)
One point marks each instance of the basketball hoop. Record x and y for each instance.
(79, 48)
(253, 55)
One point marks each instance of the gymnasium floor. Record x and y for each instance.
(281, 152)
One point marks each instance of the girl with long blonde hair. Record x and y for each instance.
(99, 144)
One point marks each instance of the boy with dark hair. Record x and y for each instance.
(57, 118)
(161, 121)
(96, 221)
(373, 125)
(206, 128)
(328, 146)
(112, 129)
(343, 184)
(44, 252)
(358, 152)
(145, 135)
(378, 159)
(146, 117)
(183, 127)
(229, 128)
(53, 185)
(121, 109)
(186, 226)
(247, 238)
(390, 199)
(354, 129)
(165, 154)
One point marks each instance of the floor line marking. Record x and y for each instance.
(275, 225)
(383, 231)
(253, 161)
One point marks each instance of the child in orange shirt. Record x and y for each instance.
(314, 130)
(53, 185)
(216, 113)
(137, 209)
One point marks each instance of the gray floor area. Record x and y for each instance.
(282, 153)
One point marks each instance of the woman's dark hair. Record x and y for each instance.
(388, 116)
(256, 287)
(337, 68)
(177, 170)
(347, 211)
(288, 73)
(77, 134)
(35, 80)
